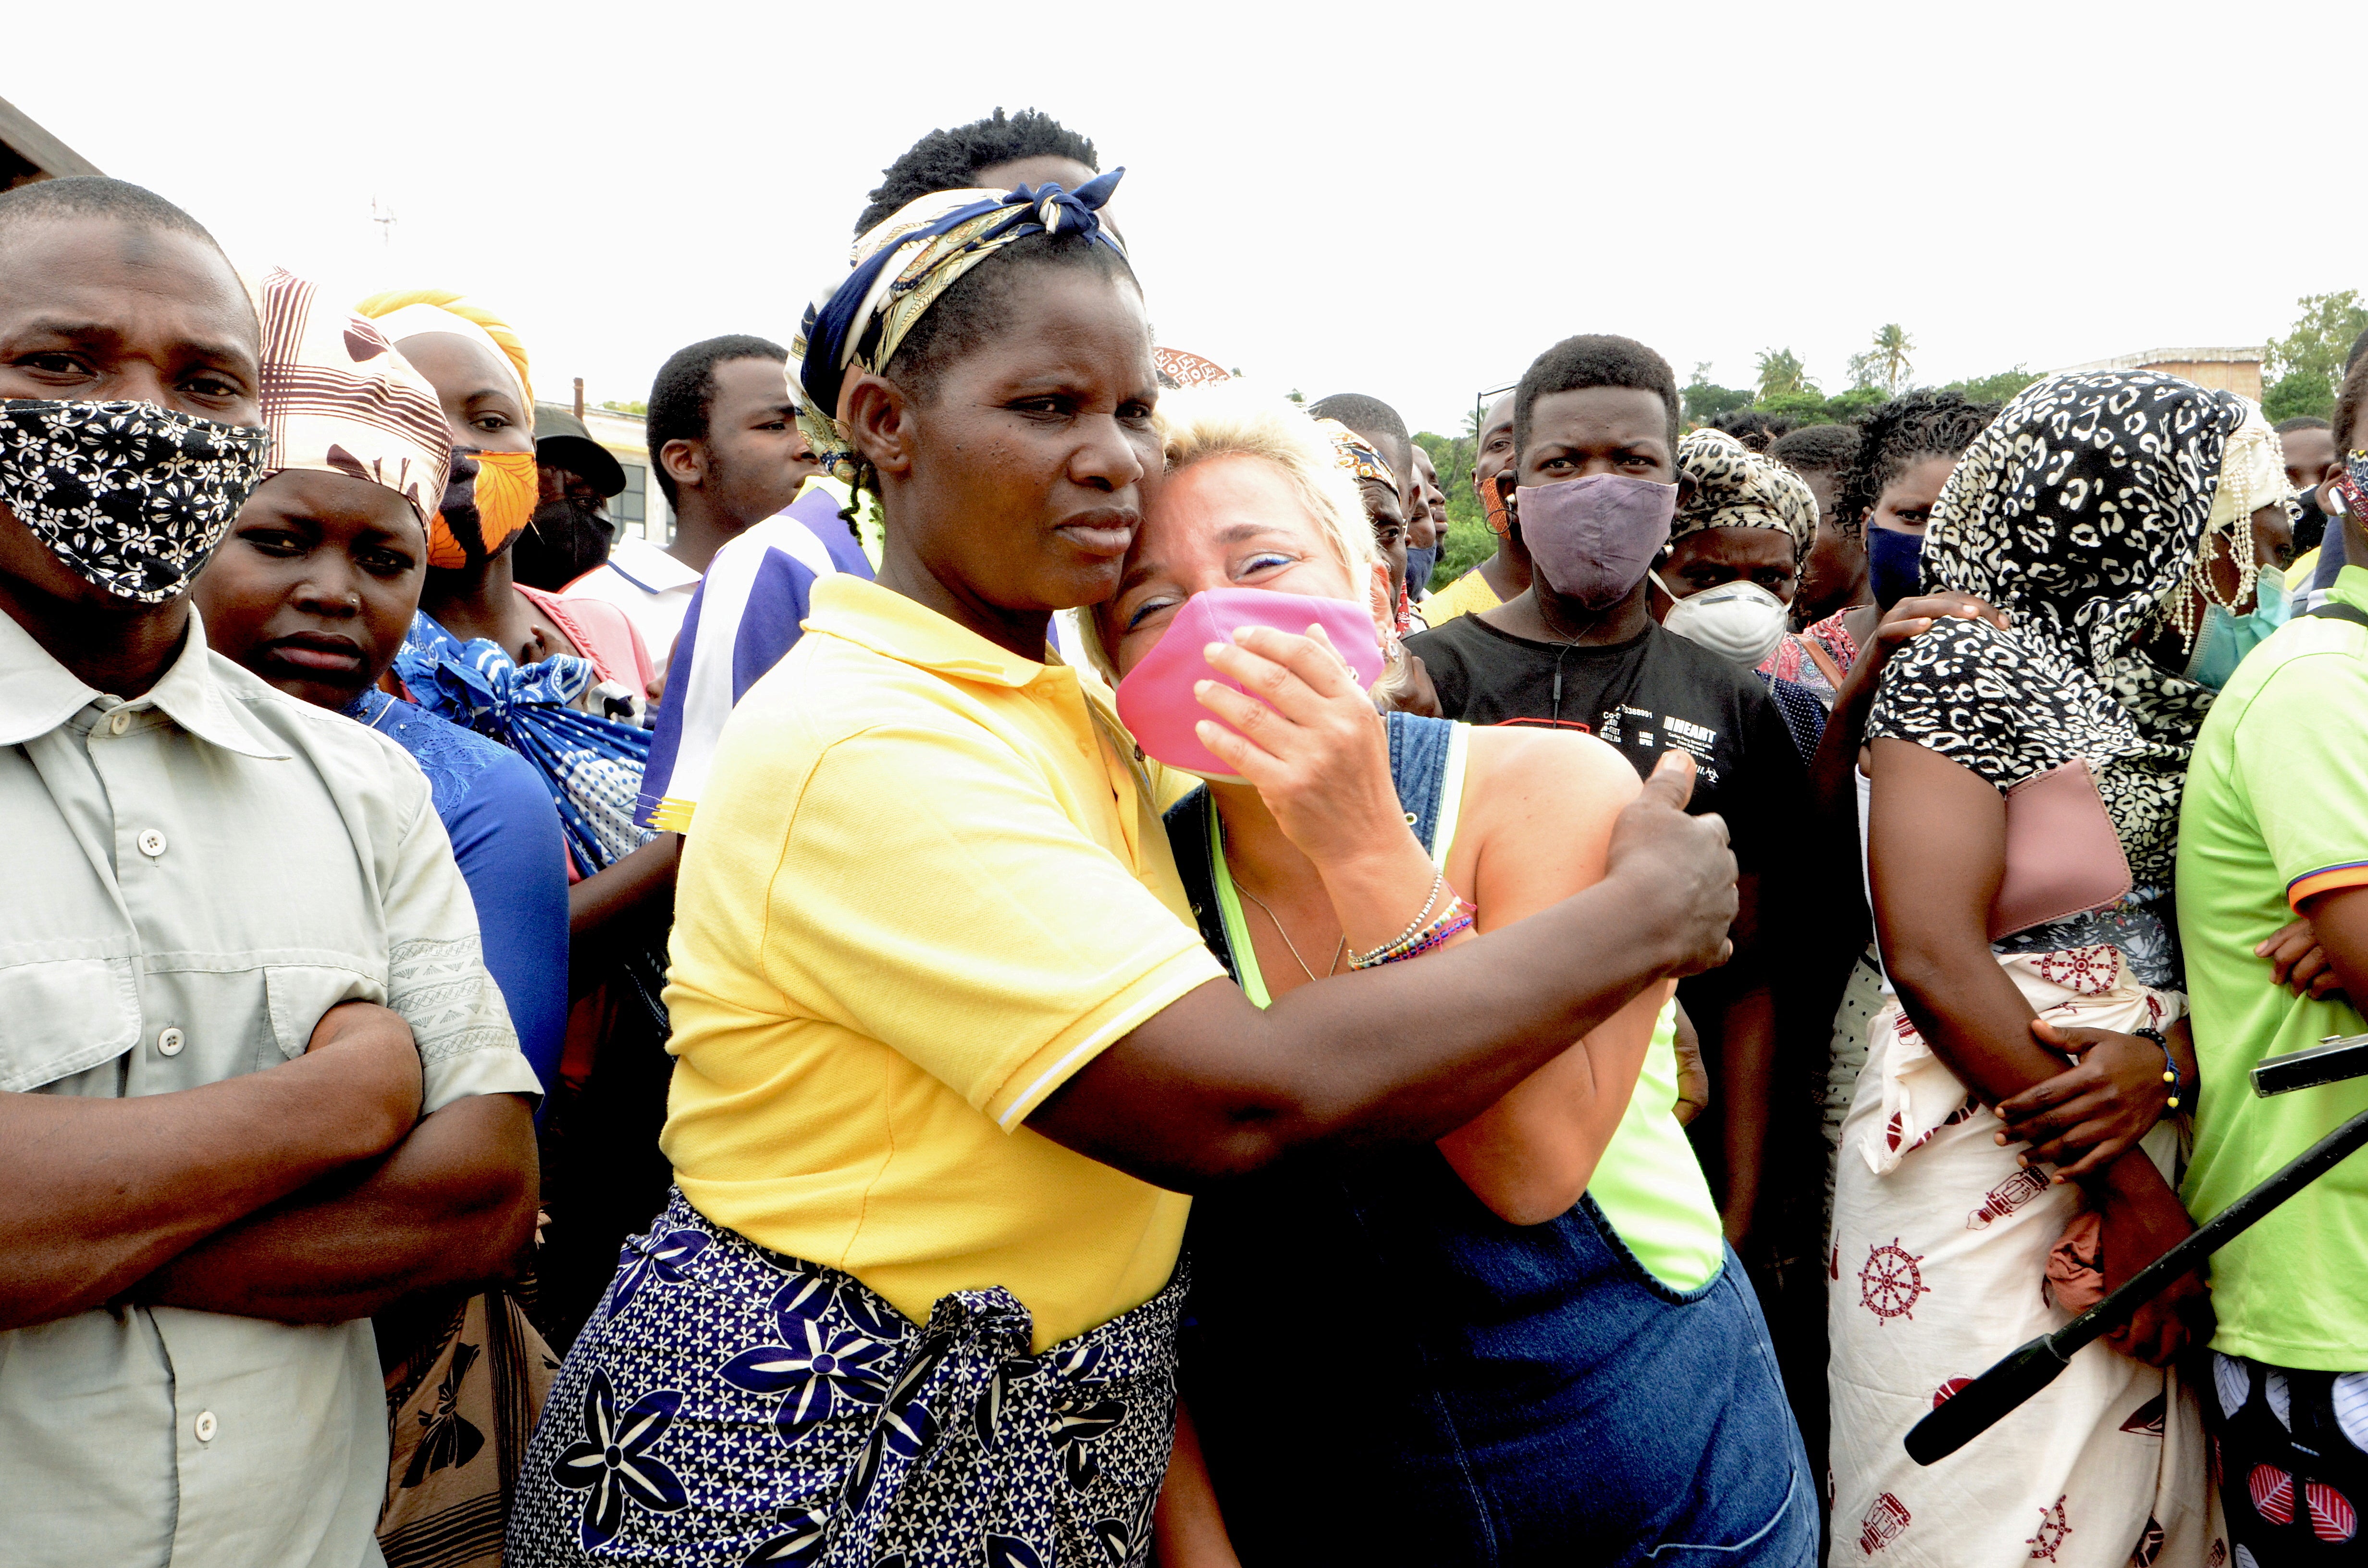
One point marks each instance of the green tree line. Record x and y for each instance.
(2301, 373)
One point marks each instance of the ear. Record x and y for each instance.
(880, 421)
(684, 462)
(1686, 488)
(1380, 600)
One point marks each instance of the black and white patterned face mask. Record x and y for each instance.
(132, 497)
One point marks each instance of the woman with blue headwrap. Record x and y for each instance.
(950, 1049)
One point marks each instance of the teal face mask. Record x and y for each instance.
(2225, 638)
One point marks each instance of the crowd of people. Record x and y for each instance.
(1029, 989)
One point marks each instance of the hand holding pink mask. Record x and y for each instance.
(1156, 701)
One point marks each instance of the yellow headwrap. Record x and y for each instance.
(470, 315)
(491, 494)
(2252, 471)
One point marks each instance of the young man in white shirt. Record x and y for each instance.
(726, 452)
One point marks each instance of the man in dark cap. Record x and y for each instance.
(571, 531)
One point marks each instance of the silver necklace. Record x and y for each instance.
(1289, 946)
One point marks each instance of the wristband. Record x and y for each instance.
(2170, 1062)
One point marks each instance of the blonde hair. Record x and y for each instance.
(1228, 419)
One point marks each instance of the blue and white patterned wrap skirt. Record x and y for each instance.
(728, 1405)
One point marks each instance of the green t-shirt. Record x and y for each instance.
(1648, 1183)
(2276, 809)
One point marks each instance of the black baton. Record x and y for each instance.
(1982, 1402)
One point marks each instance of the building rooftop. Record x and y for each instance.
(27, 153)
(2251, 354)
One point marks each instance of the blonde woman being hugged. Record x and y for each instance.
(1573, 1366)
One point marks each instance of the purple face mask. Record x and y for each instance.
(1594, 538)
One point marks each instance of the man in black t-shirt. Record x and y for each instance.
(1595, 431)
(1653, 691)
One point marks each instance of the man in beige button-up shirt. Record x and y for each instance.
(255, 1081)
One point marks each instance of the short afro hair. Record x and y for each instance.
(96, 196)
(1896, 436)
(1818, 448)
(1376, 421)
(1594, 361)
(949, 160)
(2301, 422)
(683, 396)
(1756, 428)
(2348, 406)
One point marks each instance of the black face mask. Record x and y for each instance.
(561, 541)
(2310, 527)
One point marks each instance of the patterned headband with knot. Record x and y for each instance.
(1356, 454)
(905, 266)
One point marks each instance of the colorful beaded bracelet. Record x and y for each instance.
(1413, 927)
(1457, 916)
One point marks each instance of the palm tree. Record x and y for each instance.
(1886, 364)
(1781, 371)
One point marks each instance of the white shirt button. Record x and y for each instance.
(152, 843)
(119, 723)
(204, 1426)
(169, 1043)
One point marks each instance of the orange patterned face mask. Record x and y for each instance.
(487, 501)
(1492, 508)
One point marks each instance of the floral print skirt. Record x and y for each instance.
(729, 1406)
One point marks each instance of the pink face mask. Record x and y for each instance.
(1156, 701)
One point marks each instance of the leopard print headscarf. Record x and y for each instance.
(1736, 488)
(2082, 510)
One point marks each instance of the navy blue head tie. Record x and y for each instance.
(905, 266)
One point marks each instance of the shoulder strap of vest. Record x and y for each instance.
(1418, 755)
(1192, 829)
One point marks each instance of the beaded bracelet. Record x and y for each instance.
(1413, 926)
(1456, 918)
(1453, 923)
(2170, 1062)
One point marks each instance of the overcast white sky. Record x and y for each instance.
(1410, 202)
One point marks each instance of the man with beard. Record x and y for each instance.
(727, 453)
(571, 532)
(257, 1083)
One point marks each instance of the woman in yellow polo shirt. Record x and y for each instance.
(950, 1048)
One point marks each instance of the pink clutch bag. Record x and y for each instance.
(2062, 855)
